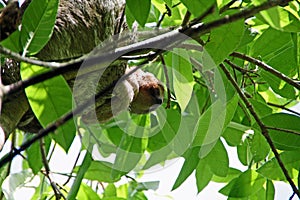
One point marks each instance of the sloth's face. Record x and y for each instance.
(149, 97)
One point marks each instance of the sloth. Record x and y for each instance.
(140, 93)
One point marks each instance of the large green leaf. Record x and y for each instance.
(49, 100)
(223, 41)
(189, 165)
(281, 139)
(37, 25)
(272, 170)
(213, 121)
(182, 77)
(139, 9)
(203, 175)
(247, 184)
(218, 160)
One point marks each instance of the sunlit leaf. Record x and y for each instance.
(223, 41)
(37, 25)
(140, 13)
(87, 193)
(49, 100)
(247, 184)
(271, 169)
(198, 7)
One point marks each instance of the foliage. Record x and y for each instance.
(206, 112)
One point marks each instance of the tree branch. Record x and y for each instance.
(267, 68)
(159, 42)
(263, 128)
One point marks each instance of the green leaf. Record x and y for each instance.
(182, 77)
(150, 185)
(100, 171)
(234, 132)
(203, 175)
(14, 182)
(189, 165)
(218, 160)
(243, 152)
(139, 9)
(34, 156)
(198, 7)
(281, 19)
(49, 100)
(87, 193)
(110, 191)
(2, 4)
(213, 121)
(247, 184)
(270, 190)
(232, 174)
(37, 25)
(279, 86)
(281, 139)
(223, 41)
(128, 155)
(12, 42)
(259, 147)
(271, 169)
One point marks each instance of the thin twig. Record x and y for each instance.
(57, 193)
(267, 68)
(74, 165)
(263, 128)
(284, 108)
(284, 130)
(186, 18)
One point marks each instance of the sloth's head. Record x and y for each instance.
(150, 95)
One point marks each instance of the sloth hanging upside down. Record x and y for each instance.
(81, 27)
(140, 93)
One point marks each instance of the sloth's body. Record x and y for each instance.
(141, 92)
